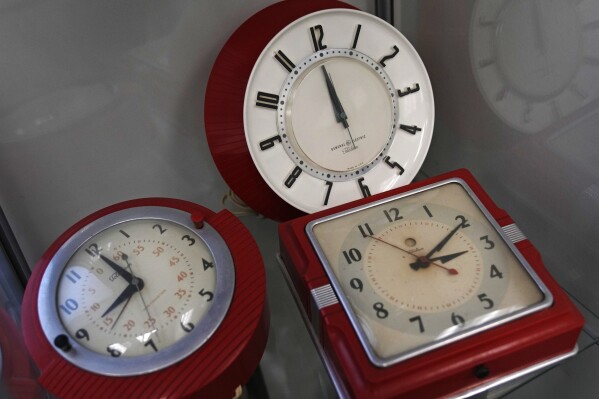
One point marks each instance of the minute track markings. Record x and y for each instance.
(316, 59)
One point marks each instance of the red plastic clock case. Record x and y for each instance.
(223, 105)
(226, 360)
(451, 369)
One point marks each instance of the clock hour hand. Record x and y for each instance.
(447, 258)
(424, 261)
(449, 270)
(126, 294)
(340, 114)
(119, 269)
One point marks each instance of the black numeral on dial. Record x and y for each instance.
(365, 230)
(428, 211)
(317, 34)
(356, 36)
(267, 100)
(160, 228)
(418, 319)
(293, 177)
(488, 302)
(389, 56)
(363, 188)
(269, 143)
(457, 320)
(495, 272)
(394, 165)
(93, 250)
(207, 293)
(409, 90)
(284, 60)
(410, 129)
(488, 243)
(392, 215)
(328, 193)
(356, 284)
(187, 327)
(207, 265)
(352, 255)
(380, 310)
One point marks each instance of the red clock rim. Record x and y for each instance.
(211, 370)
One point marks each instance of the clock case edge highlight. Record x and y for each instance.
(447, 370)
(226, 360)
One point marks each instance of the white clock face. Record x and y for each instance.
(532, 70)
(338, 107)
(138, 288)
(421, 270)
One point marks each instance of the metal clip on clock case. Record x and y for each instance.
(426, 291)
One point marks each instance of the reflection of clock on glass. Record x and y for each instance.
(427, 292)
(534, 61)
(142, 298)
(338, 106)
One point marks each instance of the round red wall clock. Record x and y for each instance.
(313, 104)
(156, 298)
(426, 291)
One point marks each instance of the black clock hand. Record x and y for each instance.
(120, 313)
(136, 286)
(340, 114)
(139, 287)
(423, 261)
(449, 270)
(119, 269)
(447, 258)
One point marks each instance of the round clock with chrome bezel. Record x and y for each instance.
(141, 289)
(338, 106)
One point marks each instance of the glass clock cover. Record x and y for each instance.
(127, 286)
(422, 269)
(144, 299)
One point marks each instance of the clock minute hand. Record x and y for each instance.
(449, 270)
(424, 261)
(340, 114)
(125, 295)
(139, 285)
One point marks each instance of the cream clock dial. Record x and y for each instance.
(139, 282)
(422, 269)
(338, 107)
